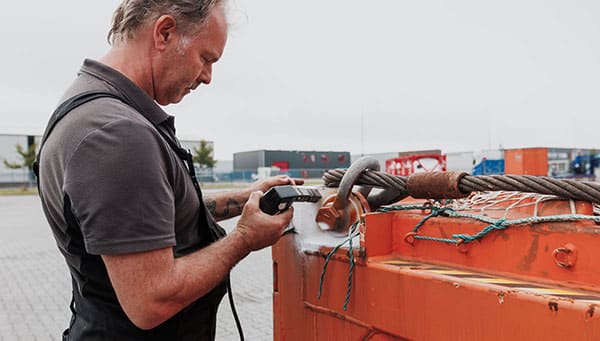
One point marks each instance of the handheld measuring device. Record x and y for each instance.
(280, 198)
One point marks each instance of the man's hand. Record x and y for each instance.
(279, 180)
(225, 205)
(258, 229)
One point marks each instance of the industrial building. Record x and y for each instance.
(303, 164)
(578, 163)
(542, 161)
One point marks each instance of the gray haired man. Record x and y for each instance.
(147, 259)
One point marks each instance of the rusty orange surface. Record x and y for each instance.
(507, 286)
(390, 302)
(521, 251)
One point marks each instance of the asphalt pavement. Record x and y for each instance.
(35, 285)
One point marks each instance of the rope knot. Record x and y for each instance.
(464, 238)
(499, 224)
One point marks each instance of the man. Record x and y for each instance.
(147, 259)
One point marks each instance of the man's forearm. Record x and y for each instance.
(161, 285)
(152, 286)
(193, 270)
(225, 205)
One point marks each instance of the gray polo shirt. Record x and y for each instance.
(110, 184)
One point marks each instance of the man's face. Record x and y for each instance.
(188, 62)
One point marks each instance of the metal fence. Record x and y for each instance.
(251, 175)
(15, 177)
(21, 177)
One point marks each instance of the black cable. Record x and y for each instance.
(238, 324)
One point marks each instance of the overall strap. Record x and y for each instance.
(63, 109)
(84, 97)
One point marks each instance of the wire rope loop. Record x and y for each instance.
(410, 238)
(428, 205)
(461, 246)
(558, 253)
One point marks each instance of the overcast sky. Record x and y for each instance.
(361, 76)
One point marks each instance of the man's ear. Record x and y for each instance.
(163, 33)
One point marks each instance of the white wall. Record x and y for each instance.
(460, 161)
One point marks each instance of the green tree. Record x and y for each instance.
(27, 157)
(204, 155)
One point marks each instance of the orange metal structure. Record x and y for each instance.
(535, 281)
(410, 164)
(526, 161)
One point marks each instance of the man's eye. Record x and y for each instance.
(209, 60)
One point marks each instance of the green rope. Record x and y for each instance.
(435, 211)
(327, 259)
(494, 224)
(353, 233)
(436, 239)
(466, 238)
(392, 208)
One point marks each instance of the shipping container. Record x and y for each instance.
(526, 161)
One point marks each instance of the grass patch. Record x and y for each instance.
(19, 191)
(223, 185)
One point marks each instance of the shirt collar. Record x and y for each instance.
(133, 93)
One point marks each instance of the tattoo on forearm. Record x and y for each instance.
(211, 204)
(232, 208)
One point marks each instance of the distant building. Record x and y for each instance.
(304, 164)
(224, 166)
(482, 162)
(542, 161)
(383, 157)
(460, 161)
(560, 161)
(556, 162)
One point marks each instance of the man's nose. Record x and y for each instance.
(206, 75)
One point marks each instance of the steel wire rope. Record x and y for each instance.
(398, 186)
(564, 188)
